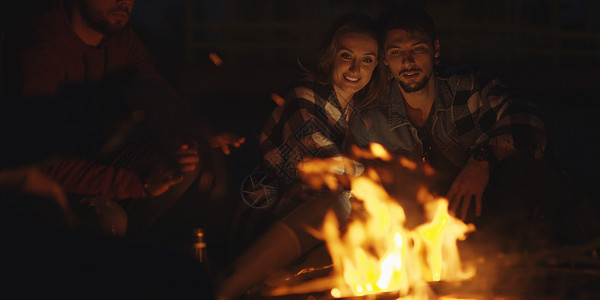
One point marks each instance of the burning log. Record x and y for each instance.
(375, 253)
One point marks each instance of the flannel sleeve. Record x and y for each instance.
(306, 126)
(508, 120)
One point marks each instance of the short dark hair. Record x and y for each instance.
(408, 17)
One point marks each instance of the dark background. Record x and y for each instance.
(548, 49)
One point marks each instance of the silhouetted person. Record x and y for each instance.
(85, 51)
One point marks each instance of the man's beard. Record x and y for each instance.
(413, 86)
(97, 21)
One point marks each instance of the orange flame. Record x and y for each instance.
(377, 253)
(381, 255)
(277, 99)
(380, 152)
(376, 151)
(215, 59)
(407, 163)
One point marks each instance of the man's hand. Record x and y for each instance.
(469, 185)
(30, 180)
(224, 140)
(163, 178)
(187, 157)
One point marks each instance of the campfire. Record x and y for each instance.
(405, 245)
(375, 252)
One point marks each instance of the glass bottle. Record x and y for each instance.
(199, 245)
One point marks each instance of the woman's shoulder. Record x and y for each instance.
(308, 88)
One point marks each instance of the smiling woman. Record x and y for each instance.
(314, 118)
(353, 66)
(310, 122)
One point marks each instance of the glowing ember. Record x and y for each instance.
(380, 152)
(215, 59)
(376, 253)
(407, 163)
(376, 151)
(317, 172)
(277, 99)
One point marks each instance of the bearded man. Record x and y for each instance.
(138, 141)
(486, 142)
(78, 41)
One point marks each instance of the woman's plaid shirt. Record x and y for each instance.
(311, 123)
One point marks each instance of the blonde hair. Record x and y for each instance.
(350, 23)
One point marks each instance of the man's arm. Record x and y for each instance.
(510, 125)
(80, 176)
(85, 177)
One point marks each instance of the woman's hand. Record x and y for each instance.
(225, 140)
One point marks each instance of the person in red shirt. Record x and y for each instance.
(88, 45)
